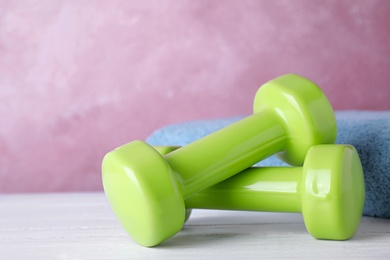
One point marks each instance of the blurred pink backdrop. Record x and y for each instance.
(79, 78)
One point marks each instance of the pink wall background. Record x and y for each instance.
(79, 78)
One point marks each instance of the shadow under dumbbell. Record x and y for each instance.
(188, 237)
(211, 227)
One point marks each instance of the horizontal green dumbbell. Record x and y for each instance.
(147, 190)
(328, 190)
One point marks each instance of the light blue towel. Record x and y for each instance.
(368, 131)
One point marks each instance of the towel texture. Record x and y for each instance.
(368, 131)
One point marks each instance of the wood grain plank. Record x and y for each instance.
(82, 226)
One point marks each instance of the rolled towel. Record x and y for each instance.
(368, 131)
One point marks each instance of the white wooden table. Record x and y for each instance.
(82, 226)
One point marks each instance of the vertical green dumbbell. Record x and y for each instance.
(147, 190)
(328, 190)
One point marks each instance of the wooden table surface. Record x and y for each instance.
(82, 226)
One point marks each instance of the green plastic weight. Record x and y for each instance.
(328, 190)
(147, 190)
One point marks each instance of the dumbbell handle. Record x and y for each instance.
(272, 189)
(234, 148)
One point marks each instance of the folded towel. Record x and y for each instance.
(368, 131)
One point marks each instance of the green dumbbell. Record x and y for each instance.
(328, 190)
(147, 190)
